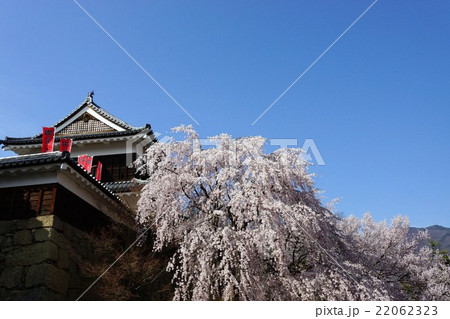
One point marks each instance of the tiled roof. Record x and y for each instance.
(54, 158)
(119, 187)
(38, 140)
(88, 102)
(100, 111)
(124, 186)
(34, 159)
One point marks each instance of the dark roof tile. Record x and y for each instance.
(38, 140)
(124, 186)
(53, 158)
(99, 110)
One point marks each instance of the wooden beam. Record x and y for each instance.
(52, 207)
(38, 210)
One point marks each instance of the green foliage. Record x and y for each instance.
(443, 254)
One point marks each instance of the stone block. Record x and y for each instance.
(47, 275)
(32, 254)
(63, 259)
(28, 223)
(43, 234)
(22, 237)
(5, 241)
(7, 248)
(35, 294)
(74, 233)
(4, 294)
(7, 226)
(12, 277)
(39, 222)
(56, 223)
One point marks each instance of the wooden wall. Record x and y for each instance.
(114, 168)
(50, 199)
(78, 213)
(25, 202)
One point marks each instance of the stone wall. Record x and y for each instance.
(40, 258)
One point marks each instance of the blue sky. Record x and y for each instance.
(376, 105)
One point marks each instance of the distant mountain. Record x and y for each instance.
(437, 233)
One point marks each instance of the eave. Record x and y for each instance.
(60, 168)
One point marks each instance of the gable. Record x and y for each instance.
(85, 124)
(89, 118)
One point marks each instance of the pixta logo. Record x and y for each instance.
(310, 151)
(138, 143)
(309, 148)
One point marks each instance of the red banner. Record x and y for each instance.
(65, 145)
(82, 160)
(88, 166)
(98, 172)
(48, 138)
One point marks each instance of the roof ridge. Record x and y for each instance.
(79, 107)
(36, 140)
(26, 156)
(110, 116)
(90, 103)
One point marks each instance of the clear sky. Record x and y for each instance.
(376, 105)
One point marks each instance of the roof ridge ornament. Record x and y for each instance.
(90, 97)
